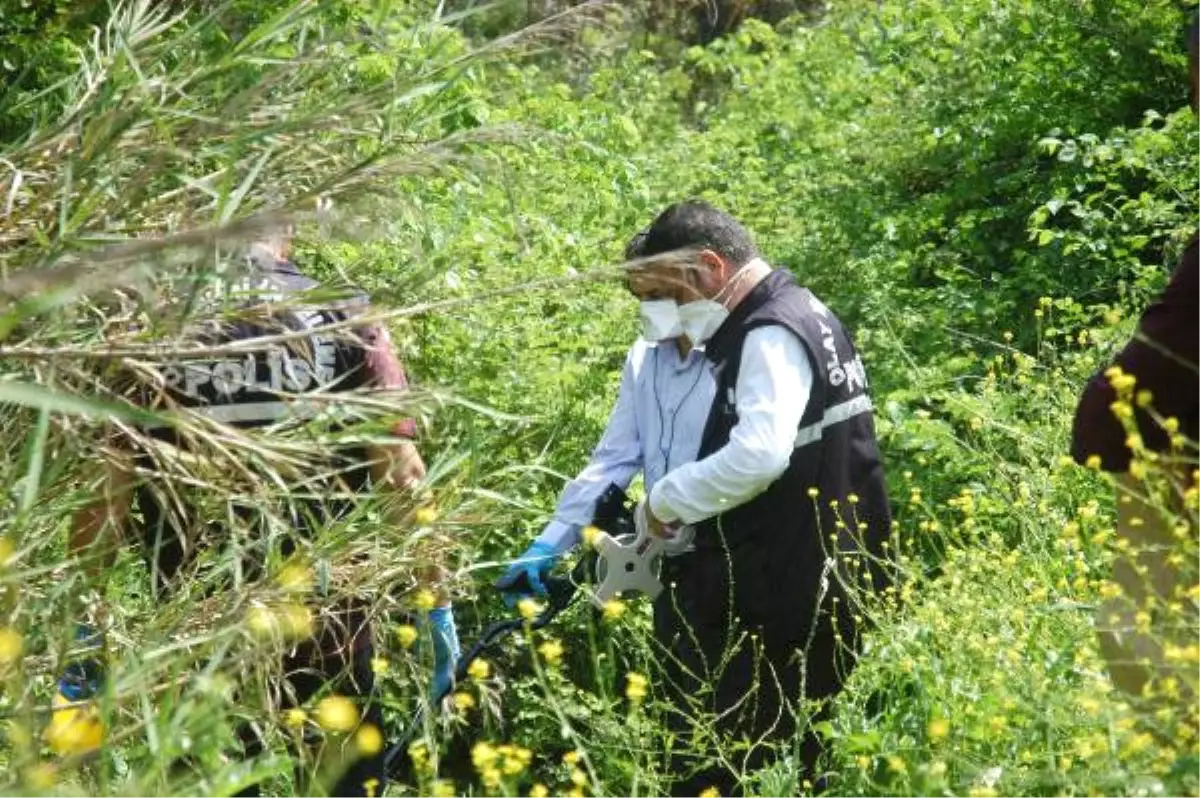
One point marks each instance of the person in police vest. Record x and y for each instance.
(745, 405)
(250, 388)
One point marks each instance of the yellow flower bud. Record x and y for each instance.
(294, 718)
(424, 600)
(368, 739)
(635, 687)
(479, 670)
(74, 730)
(337, 713)
(406, 635)
(11, 646)
(529, 608)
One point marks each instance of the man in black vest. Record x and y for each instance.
(252, 387)
(744, 406)
(787, 495)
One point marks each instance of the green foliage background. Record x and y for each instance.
(932, 170)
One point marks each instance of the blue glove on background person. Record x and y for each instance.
(84, 676)
(537, 561)
(446, 650)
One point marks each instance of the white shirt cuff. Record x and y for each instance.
(659, 506)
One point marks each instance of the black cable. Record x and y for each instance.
(662, 427)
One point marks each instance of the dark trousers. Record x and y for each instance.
(726, 688)
(338, 658)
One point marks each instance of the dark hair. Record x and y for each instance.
(697, 225)
(633, 249)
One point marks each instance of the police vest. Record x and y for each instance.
(786, 555)
(249, 388)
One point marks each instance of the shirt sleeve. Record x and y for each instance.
(384, 371)
(773, 389)
(615, 460)
(1163, 358)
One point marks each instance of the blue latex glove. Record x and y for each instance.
(84, 677)
(446, 650)
(537, 561)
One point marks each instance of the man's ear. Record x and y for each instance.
(717, 270)
(710, 258)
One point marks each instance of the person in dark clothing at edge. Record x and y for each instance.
(269, 390)
(1153, 382)
(745, 405)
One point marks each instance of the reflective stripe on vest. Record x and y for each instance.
(252, 412)
(834, 415)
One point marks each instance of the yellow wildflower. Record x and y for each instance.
(813, 493)
(406, 634)
(73, 730)
(289, 621)
(261, 621)
(426, 515)
(11, 646)
(490, 777)
(479, 670)
(578, 777)
(529, 608)
(370, 786)
(297, 621)
(710, 792)
(294, 718)
(635, 688)
(295, 577)
(538, 791)
(337, 713)
(1093, 462)
(464, 701)
(424, 600)
(938, 728)
(483, 755)
(379, 666)
(419, 754)
(368, 739)
(551, 652)
(442, 788)
(613, 609)
(591, 534)
(570, 757)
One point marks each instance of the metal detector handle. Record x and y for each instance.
(560, 591)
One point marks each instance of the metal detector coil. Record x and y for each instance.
(630, 563)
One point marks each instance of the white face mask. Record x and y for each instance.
(660, 319)
(702, 318)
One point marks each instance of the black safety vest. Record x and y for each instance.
(785, 556)
(249, 389)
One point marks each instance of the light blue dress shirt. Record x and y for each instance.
(655, 427)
